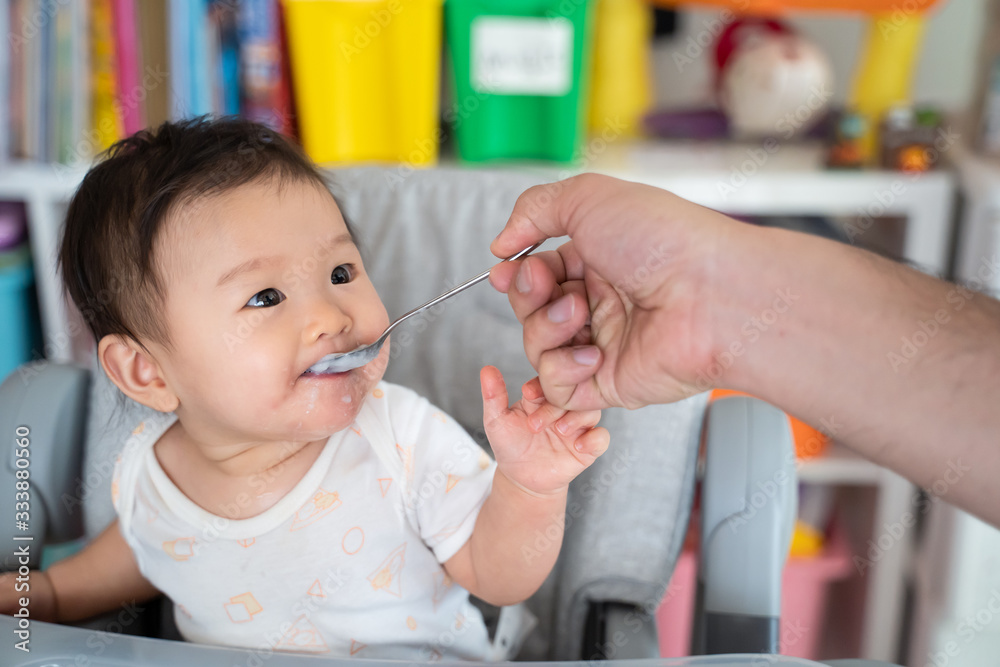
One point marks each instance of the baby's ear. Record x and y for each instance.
(136, 373)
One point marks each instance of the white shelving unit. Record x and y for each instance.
(46, 190)
(732, 178)
(979, 238)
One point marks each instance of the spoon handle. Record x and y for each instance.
(455, 290)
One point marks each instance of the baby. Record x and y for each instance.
(280, 508)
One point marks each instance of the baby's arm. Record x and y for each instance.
(101, 577)
(539, 449)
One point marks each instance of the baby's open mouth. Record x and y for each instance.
(324, 366)
(341, 362)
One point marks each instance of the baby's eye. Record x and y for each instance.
(266, 298)
(342, 274)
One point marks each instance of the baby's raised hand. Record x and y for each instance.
(538, 446)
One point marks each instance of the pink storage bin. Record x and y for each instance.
(675, 616)
(804, 586)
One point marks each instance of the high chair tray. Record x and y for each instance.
(54, 645)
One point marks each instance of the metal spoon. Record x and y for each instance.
(356, 358)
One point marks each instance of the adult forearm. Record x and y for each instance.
(901, 367)
(516, 542)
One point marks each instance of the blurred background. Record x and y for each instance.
(875, 123)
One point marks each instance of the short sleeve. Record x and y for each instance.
(126, 472)
(122, 495)
(449, 475)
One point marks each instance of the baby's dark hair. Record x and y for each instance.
(118, 212)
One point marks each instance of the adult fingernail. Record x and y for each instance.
(561, 310)
(524, 278)
(586, 356)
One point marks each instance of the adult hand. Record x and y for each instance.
(681, 299)
(620, 315)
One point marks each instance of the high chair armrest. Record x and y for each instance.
(42, 422)
(749, 499)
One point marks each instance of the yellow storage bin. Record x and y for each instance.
(366, 75)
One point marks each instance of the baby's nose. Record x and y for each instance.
(325, 319)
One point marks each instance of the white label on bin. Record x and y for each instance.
(522, 56)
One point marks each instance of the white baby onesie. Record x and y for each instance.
(347, 563)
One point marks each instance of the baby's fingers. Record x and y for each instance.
(531, 391)
(494, 394)
(575, 421)
(541, 413)
(544, 417)
(593, 442)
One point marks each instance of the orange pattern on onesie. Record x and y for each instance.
(322, 503)
(386, 577)
(180, 549)
(241, 608)
(302, 636)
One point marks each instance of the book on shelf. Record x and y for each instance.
(266, 75)
(5, 89)
(155, 79)
(77, 76)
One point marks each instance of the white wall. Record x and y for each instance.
(946, 75)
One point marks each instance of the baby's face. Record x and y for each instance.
(259, 286)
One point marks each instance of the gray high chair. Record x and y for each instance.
(627, 515)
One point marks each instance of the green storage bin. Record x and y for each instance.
(520, 71)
